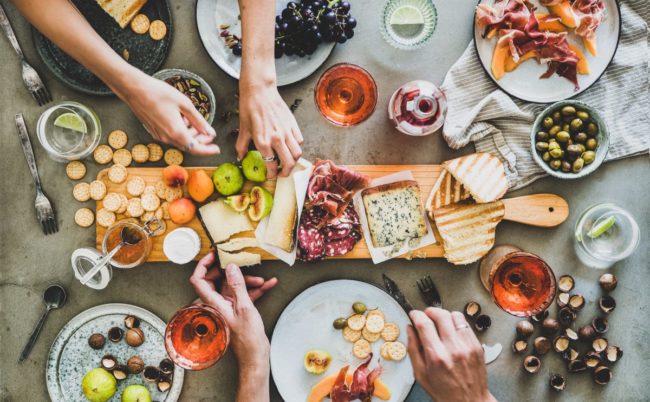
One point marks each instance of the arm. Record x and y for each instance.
(264, 116)
(164, 111)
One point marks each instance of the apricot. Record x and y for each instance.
(322, 390)
(182, 210)
(199, 185)
(565, 12)
(175, 176)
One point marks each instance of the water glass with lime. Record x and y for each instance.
(408, 24)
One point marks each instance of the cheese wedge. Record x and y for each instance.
(280, 231)
(122, 11)
(447, 190)
(238, 244)
(221, 221)
(482, 174)
(241, 259)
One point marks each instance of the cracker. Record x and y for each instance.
(97, 190)
(165, 210)
(105, 217)
(390, 332)
(112, 202)
(117, 174)
(103, 154)
(375, 323)
(356, 322)
(383, 351)
(122, 157)
(140, 24)
(159, 212)
(376, 312)
(173, 193)
(161, 189)
(157, 30)
(135, 186)
(395, 350)
(118, 139)
(140, 153)
(123, 204)
(81, 192)
(351, 335)
(370, 336)
(84, 217)
(150, 202)
(75, 170)
(361, 348)
(146, 216)
(173, 157)
(150, 190)
(155, 152)
(134, 208)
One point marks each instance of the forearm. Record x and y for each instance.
(254, 383)
(258, 45)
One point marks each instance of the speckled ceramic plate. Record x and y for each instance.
(71, 358)
(212, 13)
(306, 323)
(144, 53)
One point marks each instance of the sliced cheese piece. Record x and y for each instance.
(280, 231)
(238, 244)
(241, 259)
(221, 221)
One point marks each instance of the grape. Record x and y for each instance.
(345, 6)
(286, 13)
(329, 17)
(237, 50)
(351, 22)
(342, 38)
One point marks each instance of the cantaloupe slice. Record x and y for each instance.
(553, 26)
(590, 45)
(583, 64)
(511, 64)
(322, 390)
(501, 54)
(491, 33)
(565, 12)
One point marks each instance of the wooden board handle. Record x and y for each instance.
(543, 210)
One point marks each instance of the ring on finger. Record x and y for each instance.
(269, 158)
(461, 326)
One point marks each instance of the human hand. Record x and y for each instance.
(234, 300)
(447, 357)
(265, 119)
(168, 115)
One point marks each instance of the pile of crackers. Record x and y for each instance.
(365, 329)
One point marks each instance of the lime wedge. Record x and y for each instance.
(601, 227)
(71, 121)
(407, 15)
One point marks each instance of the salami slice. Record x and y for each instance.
(340, 246)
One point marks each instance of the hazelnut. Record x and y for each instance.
(562, 299)
(108, 362)
(576, 302)
(600, 325)
(541, 345)
(472, 309)
(525, 328)
(120, 372)
(586, 333)
(135, 364)
(576, 366)
(557, 382)
(566, 283)
(482, 323)
(131, 321)
(550, 325)
(561, 343)
(571, 334)
(532, 364)
(96, 341)
(613, 354)
(592, 359)
(608, 282)
(607, 304)
(566, 316)
(151, 374)
(134, 337)
(164, 383)
(570, 354)
(540, 316)
(602, 375)
(115, 334)
(599, 344)
(519, 346)
(166, 366)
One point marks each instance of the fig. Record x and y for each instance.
(228, 179)
(238, 202)
(261, 204)
(317, 361)
(254, 166)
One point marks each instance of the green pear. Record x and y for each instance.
(98, 385)
(254, 167)
(136, 393)
(228, 179)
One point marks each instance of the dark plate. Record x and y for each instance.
(144, 53)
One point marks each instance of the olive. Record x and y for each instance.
(566, 127)
(553, 145)
(563, 136)
(556, 117)
(589, 157)
(592, 129)
(555, 164)
(340, 323)
(568, 111)
(552, 140)
(570, 142)
(576, 124)
(556, 153)
(577, 165)
(581, 114)
(554, 130)
(580, 138)
(591, 144)
(542, 146)
(546, 157)
(548, 122)
(542, 136)
(566, 166)
(573, 151)
(359, 308)
(582, 147)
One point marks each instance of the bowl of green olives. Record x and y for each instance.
(569, 139)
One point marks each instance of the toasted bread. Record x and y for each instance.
(468, 230)
(122, 11)
(447, 190)
(482, 174)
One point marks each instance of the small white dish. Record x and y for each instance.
(182, 245)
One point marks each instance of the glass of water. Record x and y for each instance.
(408, 24)
(69, 131)
(604, 235)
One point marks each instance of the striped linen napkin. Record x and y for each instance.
(478, 111)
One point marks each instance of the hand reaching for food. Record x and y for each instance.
(447, 357)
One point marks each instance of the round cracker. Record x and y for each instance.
(357, 322)
(84, 217)
(122, 157)
(165, 210)
(173, 193)
(173, 157)
(146, 216)
(161, 189)
(383, 351)
(351, 335)
(105, 217)
(155, 152)
(376, 311)
(375, 323)
(361, 348)
(150, 190)
(390, 332)
(157, 30)
(159, 213)
(118, 139)
(370, 336)
(140, 24)
(75, 170)
(134, 208)
(123, 204)
(97, 190)
(112, 202)
(140, 153)
(396, 350)
(117, 174)
(81, 192)
(103, 154)
(150, 202)
(135, 186)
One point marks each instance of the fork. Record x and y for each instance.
(429, 292)
(44, 211)
(32, 80)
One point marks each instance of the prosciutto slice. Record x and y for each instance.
(589, 14)
(362, 386)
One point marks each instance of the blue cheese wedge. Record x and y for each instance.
(394, 213)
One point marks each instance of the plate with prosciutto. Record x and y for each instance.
(546, 50)
(342, 341)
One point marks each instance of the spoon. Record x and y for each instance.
(128, 236)
(54, 298)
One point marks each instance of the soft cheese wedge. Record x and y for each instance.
(221, 221)
(482, 174)
(122, 11)
(280, 231)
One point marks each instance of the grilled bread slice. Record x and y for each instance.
(122, 11)
(468, 230)
(447, 190)
(482, 174)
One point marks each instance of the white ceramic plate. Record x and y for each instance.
(306, 323)
(524, 82)
(212, 13)
(71, 358)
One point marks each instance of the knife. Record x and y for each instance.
(394, 291)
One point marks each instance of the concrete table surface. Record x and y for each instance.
(30, 260)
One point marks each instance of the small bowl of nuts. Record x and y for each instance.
(192, 86)
(569, 139)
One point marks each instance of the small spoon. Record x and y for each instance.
(54, 298)
(129, 237)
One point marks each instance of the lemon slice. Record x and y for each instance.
(407, 15)
(71, 121)
(601, 227)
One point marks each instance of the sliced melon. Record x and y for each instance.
(553, 26)
(511, 64)
(322, 390)
(590, 45)
(501, 54)
(565, 12)
(583, 64)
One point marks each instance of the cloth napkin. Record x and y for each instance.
(479, 112)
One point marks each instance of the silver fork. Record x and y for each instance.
(44, 211)
(429, 291)
(32, 80)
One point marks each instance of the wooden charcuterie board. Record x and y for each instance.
(425, 175)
